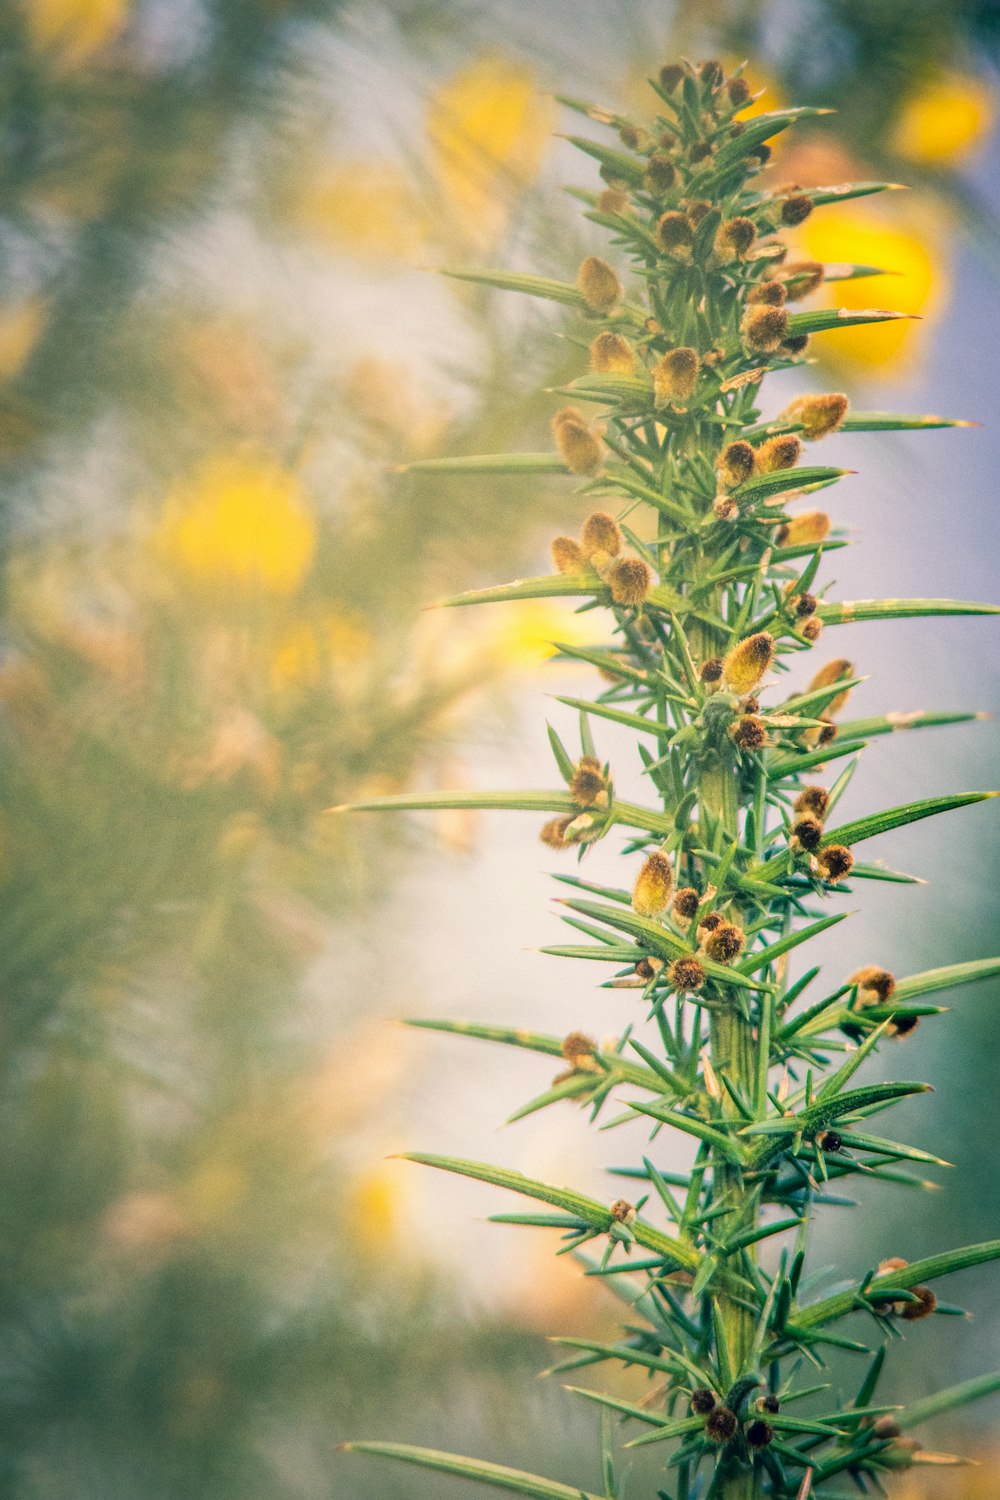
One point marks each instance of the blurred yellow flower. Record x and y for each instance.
(521, 637)
(945, 120)
(307, 649)
(374, 1208)
(20, 326)
(856, 234)
(488, 126)
(73, 30)
(241, 521)
(367, 209)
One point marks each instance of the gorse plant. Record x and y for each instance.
(710, 604)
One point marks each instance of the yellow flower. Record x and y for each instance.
(20, 326)
(71, 31)
(365, 208)
(945, 120)
(309, 647)
(488, 126)
(523, 634)
(850, 233)
(240, 521)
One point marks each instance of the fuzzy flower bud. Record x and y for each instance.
(875, 985)
(566, 555)
(734, 464)
(827, 675)
(578, 445)
(598, 284)
(589, 786)
(613, 200)
(648, 967)
(600, 539)
(739, 92)
(801, 278)
(758, 1433)
(675, 376)
(671, 75)
(610, 354)
(806, 834)
(661, 174)
(781, 452)
(812, 801)
(768, 294)
(686, 903)
(721, 1425)
(763, 328)
(811, 629)
(817, 415)
(622, 1211)
(725, 508)
(746, 663)
(686, 975)
(653, 886)
(830, 1141)
(702, 1401)
(810, 527)
(734, 238)
(630, 580)
(796, 209)
(749, 733)
(711, 670)
(578, 1049)
(724, 943)
(835, 863)
(553, 833)
(674, 233)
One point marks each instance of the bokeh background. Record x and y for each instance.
(220, 338)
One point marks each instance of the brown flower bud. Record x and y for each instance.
(817, 415)
(710, 72)
(827, 675)
(739, 92)
(925, 1304)
(886, 1426)
(803, 605)
(746, 663)
(613, 200)
(649, 967)
(721, 1425)
(802, 277)
(725, 943)
(703, 1401)
(762, 153)
(709, 922)
(675, 376)
(758, 1433)
(735, 464)
(782, 452)
(768, 294)
(798, 343)
(900, 1026)
(812, 801)
(875, 985)
(768, 1403)
(589, 786)
(686, 902)
(796, 209)
(579, 446)
(806, 833)
(578, 1049)
(827, 734)
(811, 629)
(763, 328)
(686, 975)
(804, 530)
(566, 555)
(661, 174)
(700, 151)
(598, 284)
(830, 1141)
(553, 833)
(632, 136)
(674, 232)
(622, 1211)
(600, 538)
(749, 733)
(630, 580)
(835, 863)
(711, 670)
(696, 211)
(670, 76)
(734, 238)
(725, 508)
(653, 886)
(610, 354)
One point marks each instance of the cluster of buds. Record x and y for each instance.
(722, 1425)
(718, 939)
(590, 789)
(599, 550)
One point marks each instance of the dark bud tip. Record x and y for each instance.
(670, 76)
(830, 1141)
(702, 1401)
(796, 210)
(686, 902)
(721, 1425)
(758, 1433)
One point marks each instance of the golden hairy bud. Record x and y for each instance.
(566, 555)
(654, 884)
(827, 675)
(749, 733)
(734, 238)
(798, 344)
(578, 445)
(676, 375)
(622, 1211)
(912, 1312)
(721, 1425)
(796, 209)
(610, 354)
(875, 985)
(589, 785)
(806, 833)
(711, 670)
(803, 605)
(813, 802)
(764, 328)
(900, 1026)
(630, 580)
(648, 967)
(686, 902)
(674, 232)
(613, 200)
(600, 538)
(696, 211)
(835, 863)
(709, 922)
(817, 415)
(661, 174)
(724, 943)
(598, 284)
(724, 508)
(802, 277)
(553, 833)
(686, 975)
(768, 294)
(578, 1049)
(746, 663)
(735, 464)
(805, 530)
(782, 452)
(812, 628)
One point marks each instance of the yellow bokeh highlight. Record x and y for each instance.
(521, 637)
(367, 208)
(945, 120)
(487, 126)
(239, 521)
(308, 649)
(21, 324)
(852, 233)
(72, 31)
